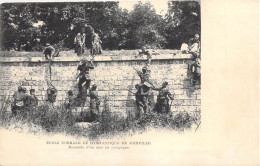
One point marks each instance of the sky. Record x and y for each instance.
(159, 5)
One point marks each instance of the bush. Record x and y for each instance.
(49, 119)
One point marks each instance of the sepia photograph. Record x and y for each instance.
(129, 83)
(98, 69)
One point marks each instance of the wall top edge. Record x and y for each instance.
(97, 58)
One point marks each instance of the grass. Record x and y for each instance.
(60, 120)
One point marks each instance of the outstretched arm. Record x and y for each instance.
(171, 96)
(91, 66)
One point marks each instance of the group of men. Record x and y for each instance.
(144, 95)
(23, 102)
(85, 90)
(80, 40)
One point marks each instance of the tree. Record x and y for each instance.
(182, 22)
(145, 27)
(16, 24)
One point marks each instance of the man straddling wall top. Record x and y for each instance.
(49, 52)
(79, 42)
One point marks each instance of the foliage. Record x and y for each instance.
(58, 119)
(182, 22)
(145, 26)
(58, 23)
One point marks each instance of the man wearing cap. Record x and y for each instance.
(84, 75)
(94, 102)
(49, 51)
(79, 42)
(162, 105)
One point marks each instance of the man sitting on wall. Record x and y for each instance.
(193, 45)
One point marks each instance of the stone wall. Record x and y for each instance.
(114, 76)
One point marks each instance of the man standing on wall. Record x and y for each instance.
(79, 42)
(95, 44)
(84, 75)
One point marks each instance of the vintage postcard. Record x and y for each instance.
(129, 83)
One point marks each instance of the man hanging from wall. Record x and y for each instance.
(95, 44)
(162, 105)
(84, 75)
(195, 70)
(145, 51)
(79, 42)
